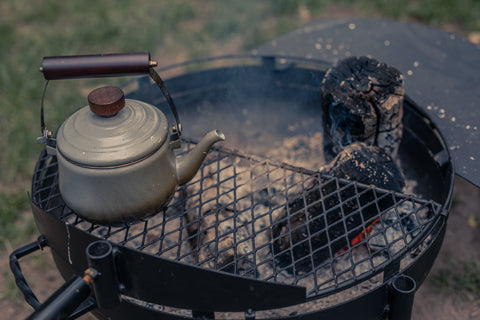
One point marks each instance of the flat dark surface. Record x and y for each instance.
(441, 70)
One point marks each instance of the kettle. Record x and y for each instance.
(116, 160)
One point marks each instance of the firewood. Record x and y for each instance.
(362, 100)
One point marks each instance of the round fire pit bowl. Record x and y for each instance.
(211, 254)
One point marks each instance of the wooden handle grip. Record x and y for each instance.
(100, 65)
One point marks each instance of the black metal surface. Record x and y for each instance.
(146, 253)
(402, 293)
(441, 70)
(20, 280)
(101, 257)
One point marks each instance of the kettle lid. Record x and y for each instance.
(112, 131)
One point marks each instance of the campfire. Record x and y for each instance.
(315, 195)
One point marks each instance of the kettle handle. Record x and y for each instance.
(96, 65)
(103, 65)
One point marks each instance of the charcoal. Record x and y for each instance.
(366, 164)
(325, 219)
(362, 100)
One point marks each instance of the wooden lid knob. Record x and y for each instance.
(106, 101)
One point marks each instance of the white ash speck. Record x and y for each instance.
(416, 64)
(472, 158)
(441, 113)
(453, 119)
(318, 46)
(328, 46)
(386, 43)
(468, 127)
(352, 26)
(409, 72)
(429, 107)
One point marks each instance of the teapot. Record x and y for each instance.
(116, 160)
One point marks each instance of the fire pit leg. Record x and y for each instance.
(100, 255)
(401, 298)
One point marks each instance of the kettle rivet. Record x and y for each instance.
(106, 101)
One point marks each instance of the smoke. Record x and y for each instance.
(340, 130)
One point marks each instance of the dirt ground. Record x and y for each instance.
(461, 243)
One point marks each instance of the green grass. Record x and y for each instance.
(459, 275)
(436, 13)
(173, 31)
(11, 292)
(13, 222)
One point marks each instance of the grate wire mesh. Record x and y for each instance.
(272, 221)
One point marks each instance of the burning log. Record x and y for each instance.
(366, 164)
(315, 227)
(362, 100)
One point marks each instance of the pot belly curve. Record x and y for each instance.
(117, 195)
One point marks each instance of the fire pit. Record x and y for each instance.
(211, 253)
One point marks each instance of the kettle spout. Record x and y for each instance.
(188, 165)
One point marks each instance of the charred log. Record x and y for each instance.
(362, 100)
(366, 164)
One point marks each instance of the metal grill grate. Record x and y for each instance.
(272, 221)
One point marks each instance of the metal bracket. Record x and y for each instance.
(101, 257)
(50, 142)
(175, 142)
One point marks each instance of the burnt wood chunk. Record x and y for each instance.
(322, 221)
(366, 164)
(362, 100)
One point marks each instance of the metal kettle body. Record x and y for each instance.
(116, 159)
(119, 194)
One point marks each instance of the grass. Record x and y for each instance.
(173, 31)
(436, 13)
(11, 206)
(459, 275)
